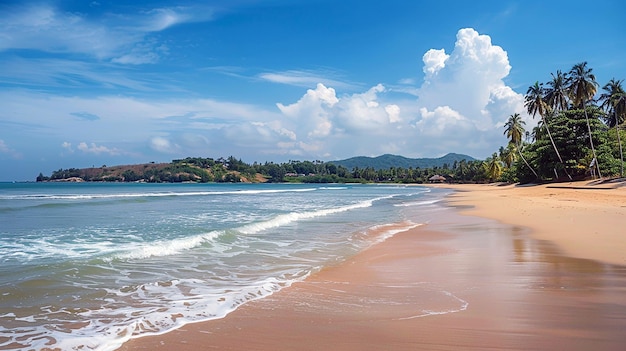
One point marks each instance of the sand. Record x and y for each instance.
(548, 274)
(582, 219)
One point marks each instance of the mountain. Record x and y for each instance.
(387, 161)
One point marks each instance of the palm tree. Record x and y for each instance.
(535, 103)
(508, 154)
(556, 95)
(582, 86)
(614, 102)
(493, 167)
(514, 130)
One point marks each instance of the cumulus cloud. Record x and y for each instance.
(163, 145)
(434, 61)
(461, 107)
(321, 114)
(470, 80)
(67, 146)
(313, 111)
(92, 148)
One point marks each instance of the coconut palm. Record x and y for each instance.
(493, 167)
(535, 103)
(507, 154)
(556, 94)
(614, 102)
(582, 86)
(514, 130)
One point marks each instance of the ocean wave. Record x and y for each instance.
(389, 230)
(288, 218)
(148, 194)
(163, 307)
(418, 203)
(143, 250)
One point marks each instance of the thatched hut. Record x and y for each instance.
(437, 179)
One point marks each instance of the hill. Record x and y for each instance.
(387, 161)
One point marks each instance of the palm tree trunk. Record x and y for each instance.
(524, 159)
(555, 149)
(593, 149)
(621, 155)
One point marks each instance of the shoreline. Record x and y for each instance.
(583, 219)
(459, 282)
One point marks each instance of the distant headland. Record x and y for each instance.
(385, 168)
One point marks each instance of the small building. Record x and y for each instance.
(437, 179)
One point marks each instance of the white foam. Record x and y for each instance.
(408, 225)
(418, 203)
(147, 194)
(288, 218)
(165, 247)
(426, 313)
(171, 309)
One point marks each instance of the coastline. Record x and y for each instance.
(582, 218)
(460, 282)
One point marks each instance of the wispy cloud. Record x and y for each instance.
(53, 74)
(86, 116)
(306, 79)
(123, 39)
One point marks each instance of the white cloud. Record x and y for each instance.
(442, 121)
(313, 111)
(461, 107)
(364, 111)
(67, 146)
(163, 145)
(434, 61)
(5, 149)
(393, 111)
(304, 78)
(121, 38)
(465, 89)
(92, 148)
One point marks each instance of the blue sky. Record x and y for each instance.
(86, 83)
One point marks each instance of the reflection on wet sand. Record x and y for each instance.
(459, 283)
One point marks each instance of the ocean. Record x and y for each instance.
(87, 266)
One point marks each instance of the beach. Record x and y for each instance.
(500, 267)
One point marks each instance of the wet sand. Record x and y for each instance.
(460, 282)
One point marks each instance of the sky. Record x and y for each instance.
(92, 83)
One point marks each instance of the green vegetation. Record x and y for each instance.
(202, 170)
(577, 136)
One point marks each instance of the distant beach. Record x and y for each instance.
(519, 268)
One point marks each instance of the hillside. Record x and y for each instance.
(387, 161)
(202, 170)
(185, 170)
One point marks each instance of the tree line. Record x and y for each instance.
(231, 169)
(577, 135)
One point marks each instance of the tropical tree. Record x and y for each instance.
(493, 167)
(582, 86)
(535, 103)
(507, 154)
(614, 102)
(514, 130)
(556, 94)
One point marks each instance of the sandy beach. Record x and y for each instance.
(502, 267)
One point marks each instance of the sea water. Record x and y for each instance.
(90, 265)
